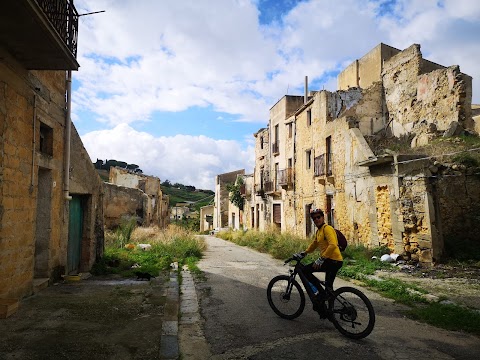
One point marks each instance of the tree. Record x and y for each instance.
(235, 195)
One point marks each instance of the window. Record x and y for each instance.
(46, 139)
(308, 159)
(290, 130)
(261, 142)
(329, 159)
(275, 145)
(276, 174)
(309, 117)
(330, 210)
(290, 163)
(261, 178)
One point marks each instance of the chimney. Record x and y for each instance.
(305, 98)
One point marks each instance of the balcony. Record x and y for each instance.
(285, 177)
(245, 190)
(260, 190)
(323, 165)
(40, 34)
(269, 187)
(276, 147)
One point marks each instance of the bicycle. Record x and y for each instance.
(350, 311)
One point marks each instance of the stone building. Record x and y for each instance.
(132, 195)
(178, 212)
(51, 200)
(224, 214)
(206, 218)
(333, 150)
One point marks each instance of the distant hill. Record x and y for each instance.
(177, 192)
(187, 193)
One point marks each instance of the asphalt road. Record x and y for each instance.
(238, 323)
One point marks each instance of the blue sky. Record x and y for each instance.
(179, 88)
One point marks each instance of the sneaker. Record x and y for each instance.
(322, 311)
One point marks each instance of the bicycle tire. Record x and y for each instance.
(352, 313)
(287, 306)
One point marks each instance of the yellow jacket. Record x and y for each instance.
(326, 240)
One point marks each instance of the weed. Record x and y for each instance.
(167, 246)
(448, 316)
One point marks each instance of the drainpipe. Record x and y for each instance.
(34, 142)
(68, 130)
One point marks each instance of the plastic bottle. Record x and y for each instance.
(314, 289)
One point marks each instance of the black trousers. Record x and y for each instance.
(329, 267)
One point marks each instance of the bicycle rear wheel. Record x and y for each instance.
(285, 298)
(352, 313)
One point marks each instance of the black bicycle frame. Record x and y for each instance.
(298, 269)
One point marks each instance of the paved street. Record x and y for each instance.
(239, 324)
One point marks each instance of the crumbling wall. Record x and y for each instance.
(122, 203)
(413, 208)
(412, 95)
(384, 220)
(458, 190)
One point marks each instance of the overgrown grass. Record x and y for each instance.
(279, 245)
(359, 265)
(173, 244)
(448, 316)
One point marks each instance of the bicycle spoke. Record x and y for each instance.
(352, 313)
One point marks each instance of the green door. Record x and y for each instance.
(75, 226)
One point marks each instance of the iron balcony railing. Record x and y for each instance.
(323, 165)
(285, 177)
(64, 19)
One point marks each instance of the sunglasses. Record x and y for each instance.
(317, 217)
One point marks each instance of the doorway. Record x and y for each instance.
(75, 233)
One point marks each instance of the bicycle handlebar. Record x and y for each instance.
(291, 259)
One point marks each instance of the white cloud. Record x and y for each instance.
(190, 160)
(144, 56)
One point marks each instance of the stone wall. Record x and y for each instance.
(439, 97)
(85, 181)
(155, 211)
(34, 213)
(123, 203)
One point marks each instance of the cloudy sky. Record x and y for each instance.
(179, 87)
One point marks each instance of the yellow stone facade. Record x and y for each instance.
(333, 141)
(37, 184)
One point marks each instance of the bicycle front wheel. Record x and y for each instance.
(352, 313)
(285, 297)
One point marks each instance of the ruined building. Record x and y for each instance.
(339, 151)
(129, 194)
(225, 214)
(51, 199)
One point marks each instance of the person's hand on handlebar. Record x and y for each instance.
(318, 263)
(300, 255)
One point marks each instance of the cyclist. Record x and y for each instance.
(330, 260)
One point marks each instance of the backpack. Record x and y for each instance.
(342, 240)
